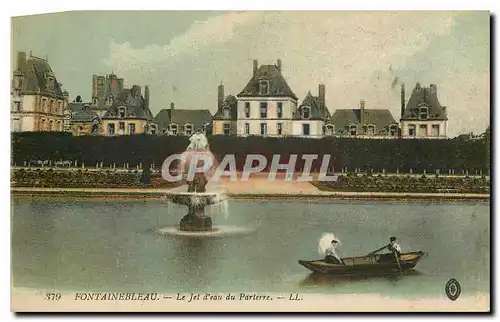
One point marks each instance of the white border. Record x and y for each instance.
(29, 7)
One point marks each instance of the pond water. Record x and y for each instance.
(110, 245)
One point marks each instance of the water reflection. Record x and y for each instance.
(317, 279)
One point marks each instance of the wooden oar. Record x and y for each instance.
(378, 250)
(397, 261)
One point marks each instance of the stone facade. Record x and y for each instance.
(423, 116)
(37, 100)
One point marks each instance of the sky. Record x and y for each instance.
(184, 55)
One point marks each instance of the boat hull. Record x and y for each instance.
(384, 264)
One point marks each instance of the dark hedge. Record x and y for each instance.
(418, 155)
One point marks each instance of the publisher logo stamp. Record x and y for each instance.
(452, 289)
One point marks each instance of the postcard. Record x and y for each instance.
(251, 161)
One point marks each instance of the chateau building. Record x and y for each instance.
(84, 120)
(226, 117)
(423, 116)
(105, 89)
(363, 123)
(267, 105)
(175, 121)
(312, 118)
(37, 100)
(129, 114)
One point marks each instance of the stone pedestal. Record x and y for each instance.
(196, 220)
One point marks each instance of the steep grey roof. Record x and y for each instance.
(230, 103)
(134, 103)
(424, 96)
(342, 118)
(38, 77)
(81, 112)
(182, 116)
(316, 111)
(277, 83)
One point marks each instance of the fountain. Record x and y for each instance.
(196, 197)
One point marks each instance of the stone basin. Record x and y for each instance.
(196, 198)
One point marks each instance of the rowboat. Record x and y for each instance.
(379, 264)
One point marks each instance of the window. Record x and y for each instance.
(153, 129)
(44, 105)
(95, 129)
(306, 129)
(263, 128)
(353, 129)
(59, 127)
(226, 129)
(423, 113)
(131, 128)
(17, 106)
(43, 128)
(264, 87)
(247, 128)
(16, 126)
(413, 112)
(122, 112)
(329, 129)
(279, 110)
(121, 127)
(247, 109)
(94, 101)
(435, 130)
(422, 131)
(279, 129)
(111, 129)
(59, 107)
(411, 130)
(51, 125)
(188, 129)
(226, 113)
(263, 110)
(393, 130)
(173, 129)
(306, 112)
(370, 130)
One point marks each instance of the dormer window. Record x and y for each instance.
(264, 87)
(109, 101)
(306, 112)
(188, 129)
(94, 101)
(423, 113)
(121, 112)
(370, 130)
(173, 129)
(353, 129)
(329, 129)
(226, 113)
(393, 130)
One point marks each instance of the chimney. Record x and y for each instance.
(278, 64)
(362, 112)
(321, 96)
(433, 90)
(403, 99)
(146, 96)
(255, 67)
(172, 106)
(21, 60)
(220, 96)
